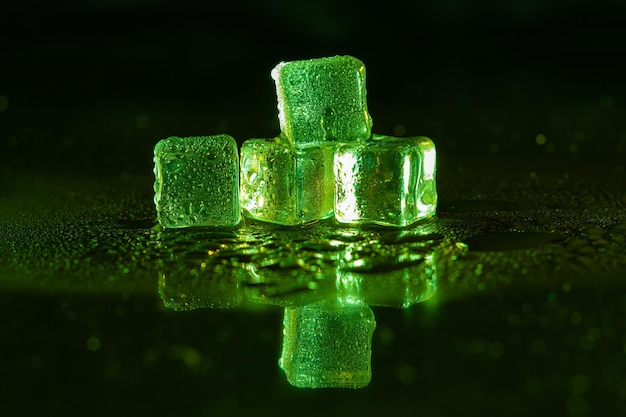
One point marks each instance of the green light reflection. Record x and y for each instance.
(326, 280)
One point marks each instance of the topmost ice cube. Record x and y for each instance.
(322, 100)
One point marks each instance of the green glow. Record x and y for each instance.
(93, 344)
(328, 345)
(326, 279)
(4, 103)
(393, 287)
(196, 181)
(347, 172)
(285, 185)
(288, 285)
(325, 161)
(430, 160)
(388, 181)
(195, 271)
(427, 187)
(349, 287)
(208, 285)
(322, 100)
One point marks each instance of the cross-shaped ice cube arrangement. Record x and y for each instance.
(326, 162)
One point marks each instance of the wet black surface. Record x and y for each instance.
(527, 314)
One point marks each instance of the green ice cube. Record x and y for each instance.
(322, 100)
(386, 180)
(328, 345)
(196, 181)
(285, 185)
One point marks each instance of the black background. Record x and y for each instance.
(92, 85)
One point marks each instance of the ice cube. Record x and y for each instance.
(322, 100)
(196, 181)
(285, 185)
(386, 180)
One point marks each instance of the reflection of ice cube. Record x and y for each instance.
(285, 185)
(396, 287)
(386, 180)
(196, 181)
(200, 268)
(322, 100)
(328, 345)
(209, 284)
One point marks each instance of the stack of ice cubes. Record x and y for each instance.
(326, 162)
